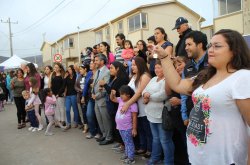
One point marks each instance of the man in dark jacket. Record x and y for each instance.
(183, 29)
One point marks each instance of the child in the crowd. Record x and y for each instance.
(30, 111)
(128, 54)
(49, 101)
(126, 122)
(35, 100)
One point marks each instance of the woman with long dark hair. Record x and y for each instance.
(79, 85)
(57, 86)
(161, 39)
(90, 102)
(138, 82)
(17, 85)
(142, 49)
(118, 78)
(32, 72)
(218, 123)
(105, 49)
(70, 99)
(47, 76)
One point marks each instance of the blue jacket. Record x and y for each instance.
(86, 84)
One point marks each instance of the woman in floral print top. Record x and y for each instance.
(217, 131)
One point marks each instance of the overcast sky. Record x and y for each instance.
(55, 18)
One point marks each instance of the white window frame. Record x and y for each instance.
(227, 12)
(66, 43)
(133, 17)
(98, 36)
(120, 30)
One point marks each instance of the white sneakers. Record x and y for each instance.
(40, 127)
(32, 129)
(48, 134)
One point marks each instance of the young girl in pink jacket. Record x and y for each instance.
(49, 101)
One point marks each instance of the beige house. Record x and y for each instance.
(46, 50)
(208, 30)
(232, 14)
(68, 47)
(141, 22)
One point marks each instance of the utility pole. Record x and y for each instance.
(10, 34)
(78, 45)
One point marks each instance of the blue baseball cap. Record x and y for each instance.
(179, 22)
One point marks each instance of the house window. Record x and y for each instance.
(98, 37)
(107, 31)
(68, 43)
(227, 6)
(120, 27)
(137, 21)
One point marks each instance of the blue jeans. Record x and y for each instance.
(162, 140)
(144, 133)
(32, 118)
(92, 122)
(71, 101)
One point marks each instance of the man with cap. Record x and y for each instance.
(183, 29)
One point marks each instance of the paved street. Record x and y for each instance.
(21, 147)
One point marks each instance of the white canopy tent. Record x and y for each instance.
(14, 62)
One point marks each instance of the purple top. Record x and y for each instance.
(124, 121)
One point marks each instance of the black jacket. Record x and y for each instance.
(180, 47)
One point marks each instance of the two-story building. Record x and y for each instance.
(69, 46)
(140, 23)
(230, 14)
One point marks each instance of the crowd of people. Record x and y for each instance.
(119, 97)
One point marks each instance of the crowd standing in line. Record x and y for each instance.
(120, 97)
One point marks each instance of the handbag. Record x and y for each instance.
(167, 122)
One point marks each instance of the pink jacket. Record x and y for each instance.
(127, 54)
(50, 105)
(111, 59)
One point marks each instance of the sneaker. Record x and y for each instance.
(115, 146)
(75, 126)
(147, 155)
(40, 127)
(34, 129)
(23, 125)
(129, 161)
(63, 128)
(123, 157)
(97, 136)
(30, 128)
(67, 127)
(48, 134)
(89, 136)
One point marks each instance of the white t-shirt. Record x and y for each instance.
(141, 106)
(46, 82)
(217, 133)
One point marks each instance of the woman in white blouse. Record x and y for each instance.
(154, 96)
(217, 130)
(47, 70)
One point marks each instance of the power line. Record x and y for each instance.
(22, 49)
(42, 18)
(46, 19)
(96, 12)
